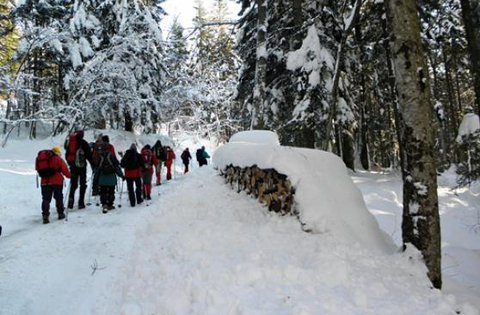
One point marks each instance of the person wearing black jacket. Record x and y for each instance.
(133, 163)
(81, 151)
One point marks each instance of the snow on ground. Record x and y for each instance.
(201, 248)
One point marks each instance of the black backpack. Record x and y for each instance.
(130, 160)
(107, 164)
(199, 154)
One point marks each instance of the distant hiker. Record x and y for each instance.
(132, 162)
(159, 152)
(77, 153)
(186, 157)
(169, 161)
(150, 161)
(101, 147)
(107, 171)
(51, 168)
(202, 156)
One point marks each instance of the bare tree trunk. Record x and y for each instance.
(471, 18)
(258, 111)
(421, 220)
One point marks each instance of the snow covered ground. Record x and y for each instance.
(200, 248)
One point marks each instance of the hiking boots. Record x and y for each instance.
(104, 209)
(110, 207)
(45, 220)
(61, 216)
(70, 203)
(148, 197)
(81, 205)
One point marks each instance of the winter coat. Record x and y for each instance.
(186, 156)
(145, 169)
(111, 178)
(57, 178)
(170, 157)
(100, 146)
(159, 151)
(133, 163)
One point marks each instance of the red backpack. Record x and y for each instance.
(71, 147)
(44, 164)
(147, 157)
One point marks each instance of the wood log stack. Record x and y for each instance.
(271, 188)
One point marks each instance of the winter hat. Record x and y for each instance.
(148, 147)
(57, 150)
(80, 134)
(106, 139)
(133, 147)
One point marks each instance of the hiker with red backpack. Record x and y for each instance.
(52, 168)
(169, 161)
(159, 152)
(150, 161)
(77, 153)
(186, 157)
(133, 163)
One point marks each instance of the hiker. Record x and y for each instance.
(77, 153)
(202, 156)
(52, 168)
(186, 157)
(169, 161)
(159, 153)
(132, 162)
(107, 171)
(96, 147)
(150, 161)
(101, 146)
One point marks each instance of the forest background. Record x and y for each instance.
(380, 83)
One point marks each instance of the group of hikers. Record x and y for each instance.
(136, 168)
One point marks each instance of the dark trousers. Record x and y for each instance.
(138, 190)
(78, 174)
(49, 191)
(186, 168)
(107, 195)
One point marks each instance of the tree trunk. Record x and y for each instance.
(421, 220)
(258, 111)
(471, 18)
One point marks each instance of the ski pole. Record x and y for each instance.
(121, 193)
(65, 200)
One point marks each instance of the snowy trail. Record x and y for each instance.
(198, 248)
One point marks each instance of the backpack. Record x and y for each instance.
(199, 154)
(107, 165)
(71, 144)
(170, 154)
(44, 164)
(129, 160)
(99, 149)
(147, 158)
(80, 158)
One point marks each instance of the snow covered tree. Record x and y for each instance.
(421, 219)
(471, 17)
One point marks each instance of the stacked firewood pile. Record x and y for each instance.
(271, 188)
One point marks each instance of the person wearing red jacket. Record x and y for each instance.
(150, 162)
(133, 163)
(53, 186)
(168, 163)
